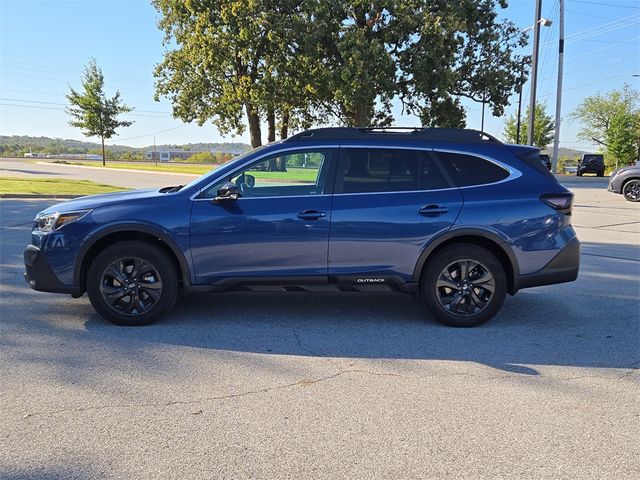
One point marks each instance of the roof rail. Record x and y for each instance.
(406, 133)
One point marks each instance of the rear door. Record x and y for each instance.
(388, 204)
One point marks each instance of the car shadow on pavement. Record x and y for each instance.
(593, 322)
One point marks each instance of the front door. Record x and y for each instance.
(278, 227)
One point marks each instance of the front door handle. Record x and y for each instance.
(432, 210)
(311, 214)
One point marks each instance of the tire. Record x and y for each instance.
(135, 299)
(631, 190)
(601, 174)
(578, 174)
(476, 304)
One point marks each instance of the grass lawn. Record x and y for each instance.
(53, 186)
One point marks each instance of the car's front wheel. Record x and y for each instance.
(132, 283)
(631, 190)
(463, 285)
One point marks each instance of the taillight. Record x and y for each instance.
(561, 202)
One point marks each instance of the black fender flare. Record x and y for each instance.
(109, 229)
(453, 233)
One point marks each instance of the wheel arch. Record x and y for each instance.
(120, 232)
(483, 238)
(627, 180)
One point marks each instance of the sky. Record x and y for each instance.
(44, 46)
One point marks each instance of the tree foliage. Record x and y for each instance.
(613, 121)
(543, 127)
(94, 112)
(294, 63)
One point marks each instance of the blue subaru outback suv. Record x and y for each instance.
(455, 217)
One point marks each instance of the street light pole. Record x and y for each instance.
(556, 135)
(534, 72)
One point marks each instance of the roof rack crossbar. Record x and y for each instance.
(413, 133)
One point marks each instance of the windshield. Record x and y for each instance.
(588, 158)
(214, 171)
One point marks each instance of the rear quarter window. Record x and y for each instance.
(467, 170)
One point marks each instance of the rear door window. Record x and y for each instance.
(467, 170)
(389, 170)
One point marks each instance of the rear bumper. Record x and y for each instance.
(561, 269)
(39, 275)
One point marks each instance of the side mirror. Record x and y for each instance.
(229, 191)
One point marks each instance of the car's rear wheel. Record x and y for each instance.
(463, 285)
(132, 283)
(601, 173)
(631, 190)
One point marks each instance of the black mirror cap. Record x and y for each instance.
(228, 191)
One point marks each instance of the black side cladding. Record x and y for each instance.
(531, 156)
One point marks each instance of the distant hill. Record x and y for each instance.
(17, 145)
(567, 152)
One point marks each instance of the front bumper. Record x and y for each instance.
(562, 268)
(39, 275)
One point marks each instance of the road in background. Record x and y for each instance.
(356, 385)
(15, 167)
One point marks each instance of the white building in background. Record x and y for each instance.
(167, 155)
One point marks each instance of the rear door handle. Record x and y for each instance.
(433, 210)
(311, 214)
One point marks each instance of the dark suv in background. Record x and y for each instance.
(453, 216)
(591, 163)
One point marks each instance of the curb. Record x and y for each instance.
(194, 175)
(36, 195)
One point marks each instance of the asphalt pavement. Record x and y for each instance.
(318, 386)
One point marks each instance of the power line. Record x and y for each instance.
(62, 109)
(147, 135)
(627, 74)
(605, 4)
(65, 104)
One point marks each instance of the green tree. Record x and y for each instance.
(543, 128)
(300, 62)
(227, 57)
(92, 111)
(621, 138)
(612, 120)
(201, 157)
(596, 112)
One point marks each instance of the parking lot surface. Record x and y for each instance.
(330, 386)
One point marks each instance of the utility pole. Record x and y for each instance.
(556, 135)
(482, 124)
(534, 72)
(520, 102)
(155, 151)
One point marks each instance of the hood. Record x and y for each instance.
(625, 169)
(95, 201)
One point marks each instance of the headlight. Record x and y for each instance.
(53, 221)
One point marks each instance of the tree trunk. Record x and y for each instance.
(271, 123)
(284, 127)
(255, 134)
(362, 115)
(104, 157)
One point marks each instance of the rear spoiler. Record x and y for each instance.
(531, 156)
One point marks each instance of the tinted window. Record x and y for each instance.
(388, 170)
(280, 175)
(470, 170)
